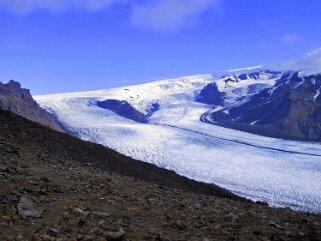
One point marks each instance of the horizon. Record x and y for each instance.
(66, 46)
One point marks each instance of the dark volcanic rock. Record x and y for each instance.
(67, 148)
(18, 100)
(211, 95)
(125, 109)
(122, 108)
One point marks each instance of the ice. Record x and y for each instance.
(283, 173)
(317, 95)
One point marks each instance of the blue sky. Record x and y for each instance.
(55, 46)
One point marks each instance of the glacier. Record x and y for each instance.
(281, 172)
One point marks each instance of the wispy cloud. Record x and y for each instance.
(159, 15)
(290, 38)
(28, 6)
(170, 15)
(309, 64)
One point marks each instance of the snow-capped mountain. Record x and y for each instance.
(163, 123)
(291, 109)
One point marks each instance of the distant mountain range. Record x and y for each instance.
(290, 109)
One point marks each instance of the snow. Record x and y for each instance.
(317, 95)
(283, 173)
(299, 83)
(313, 81)
(271, 91)
(254, 122)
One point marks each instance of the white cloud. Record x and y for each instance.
(28, 6)
(290, 38)
(159, 15)
(170, 15)
(309, 64)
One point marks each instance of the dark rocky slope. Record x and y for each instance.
(60, 146)
(290, 110)
(126, 110)
(122, 108)
(19, 100)
(211, 95)
(55, 187)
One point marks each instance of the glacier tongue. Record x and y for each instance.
(176, 139)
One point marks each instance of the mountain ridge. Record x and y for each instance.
(19, 100)
(287, 110)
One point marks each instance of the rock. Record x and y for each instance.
(44, 237)
(6, 169)
(27, 208)
(290, 234)
(211, 95)
(3, 168)
(53, 232)
(262, 203)
(19, 100)
(201, 203)
(152, 201)
(115, 236)
(233, 217)
(301, 234)
(10, 198)
(100, 214)
(275, 225)
(89, 238)
(81, 224)
(44, 179)
(100, 239)
(130, 221)
(80, 212)
(160, 237)
(172, 204)
(31, 189)
(57, 189)
(180, 225)
(19, 238)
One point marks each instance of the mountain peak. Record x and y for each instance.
(19, 100)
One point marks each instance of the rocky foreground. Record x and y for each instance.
(55, 187)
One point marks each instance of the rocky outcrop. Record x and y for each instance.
(211, 95)
(126, 110)
(19, 100)
(122, 108)
(291, 110)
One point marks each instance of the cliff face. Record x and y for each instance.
(19, 100)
